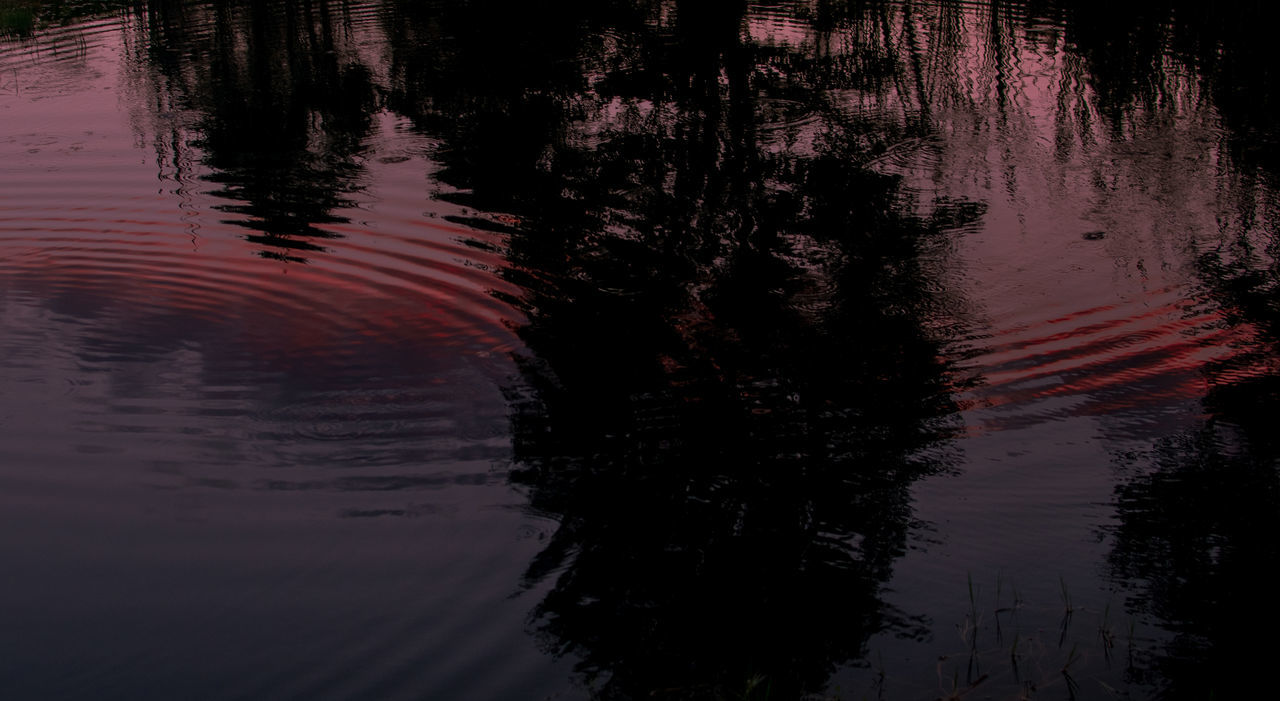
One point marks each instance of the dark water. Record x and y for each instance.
(681, 350)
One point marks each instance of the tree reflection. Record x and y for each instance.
(1195, 535)
(284, 106)
(731, 378)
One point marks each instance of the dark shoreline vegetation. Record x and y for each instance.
(739, 343)
(20, 18)
(16, 17)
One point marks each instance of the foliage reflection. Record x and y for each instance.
(733, 370)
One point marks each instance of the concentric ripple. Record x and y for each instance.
(355, 357)
(237, 403)
(1144, 354)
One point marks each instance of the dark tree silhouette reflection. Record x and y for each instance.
(733, 369)
(1195, 540)
(284, 106)
(1196, 533)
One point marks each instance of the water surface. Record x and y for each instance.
(635, 349)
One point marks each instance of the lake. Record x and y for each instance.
(479, 349)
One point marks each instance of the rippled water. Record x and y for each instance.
(638, 349)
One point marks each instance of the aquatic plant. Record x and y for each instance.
(1008, 652)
